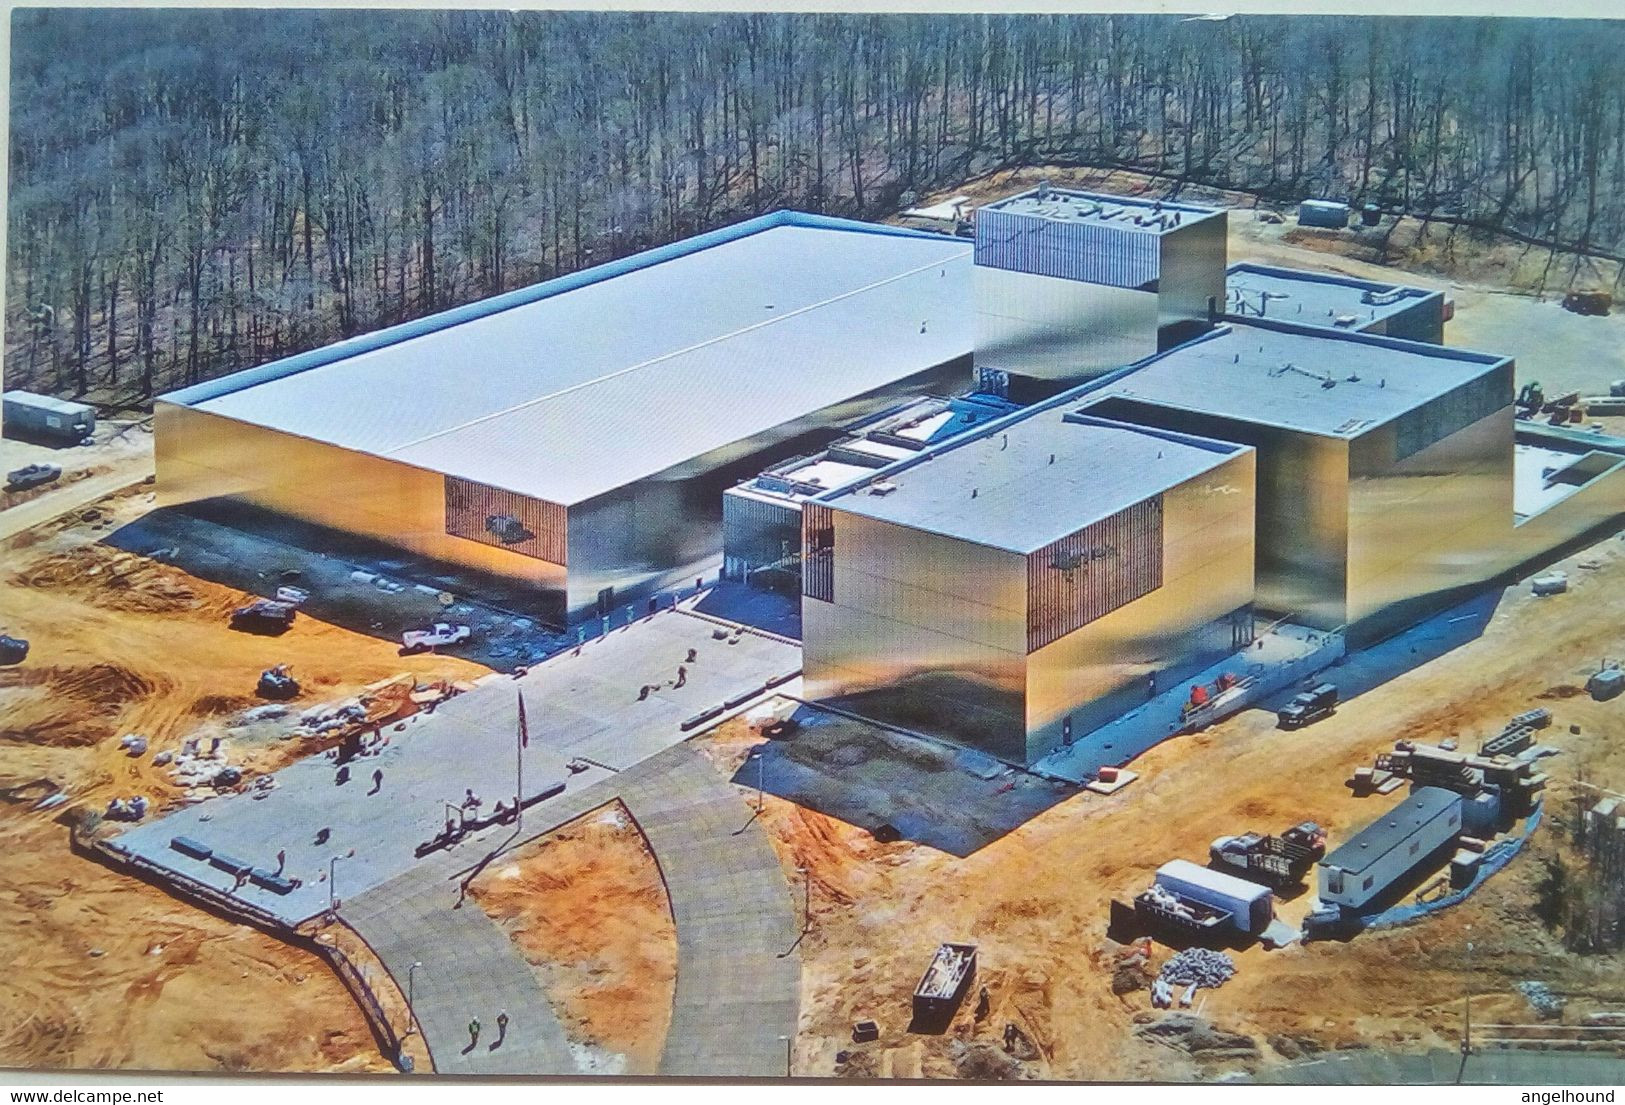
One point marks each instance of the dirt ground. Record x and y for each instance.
(105, 971)
(1036, 901)
(588, 909)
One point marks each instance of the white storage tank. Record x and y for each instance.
(1251, 905)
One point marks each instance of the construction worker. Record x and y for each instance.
(281, 860)
(377, 780)
(502, 1026)
(473, 1032)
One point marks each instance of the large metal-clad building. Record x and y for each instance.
(1073, 284)
(578, 435)
(1385, 467)
(1022, 586)
(1339, 302)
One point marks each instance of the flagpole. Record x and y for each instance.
(519, 768)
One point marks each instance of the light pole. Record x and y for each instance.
(761, 767)
(411, 1010)
(332, 880)
(788, 1043)
(806, 901)
(1467, 1004)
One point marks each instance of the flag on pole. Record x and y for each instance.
(524, 730)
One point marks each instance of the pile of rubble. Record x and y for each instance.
(1546, 1004)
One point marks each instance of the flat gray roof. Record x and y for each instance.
(1150, 215)
(1314, 298)
(1311, 381)
(1391, 830)
(607, 382)
(1023, 499)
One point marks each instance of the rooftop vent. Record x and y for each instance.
(882, 487)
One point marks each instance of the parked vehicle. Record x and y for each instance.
(1272, 861)
(438, 635)
(32, 475)
(1308, 707)
(263, 616)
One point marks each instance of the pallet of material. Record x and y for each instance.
(186, 846)
(1118, 778)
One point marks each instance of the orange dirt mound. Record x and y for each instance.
(112, 580)
(214, 705)
(110, 685)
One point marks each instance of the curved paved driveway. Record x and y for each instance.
(738, 973)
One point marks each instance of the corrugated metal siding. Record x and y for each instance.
(475, 511)
(1088, 574)
(1119, 257)
(817, 552)
(755, 532)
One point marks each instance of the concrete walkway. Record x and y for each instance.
(738, 974)
(471, 968)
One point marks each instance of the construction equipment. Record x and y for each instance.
(1272, 861)
(13, 650)
(1309, 707)
(263, 616)
(944, 983)
(276, 684)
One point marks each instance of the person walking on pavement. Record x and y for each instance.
(473, 1032)
(502, 1027)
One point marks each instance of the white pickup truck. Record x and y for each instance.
(437, 635)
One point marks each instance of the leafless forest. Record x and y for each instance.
(193, 192)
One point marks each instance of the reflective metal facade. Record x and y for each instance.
(932, 632)
(1376, 531)
(1059, 333)
(1190, 291)
(621, 546)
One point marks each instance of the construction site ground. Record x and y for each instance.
(106, 971)
(1036, 900)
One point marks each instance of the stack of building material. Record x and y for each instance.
(1198, 966)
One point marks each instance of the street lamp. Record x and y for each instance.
(761, 767)
(787, 1046)
(1467, 1004)
(806, 901)
(411, 1010)
(332, 880)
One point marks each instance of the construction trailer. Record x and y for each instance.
(1072, 284)
(1385, 852)
(1022, 585)
(1336, 302)
(1323, 213)
(45, 418)
(945, 982)
(577, 436)
(1385, 467)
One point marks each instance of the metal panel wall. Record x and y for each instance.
(1088, 574)
(1061, 332)
(203, 457)
(817, 552)
(493, 516)
(1200, 613)
(1302, 508)
(1429, 527)
(1121, 257)
(756, 532)
(924, 631)
(1191, 287)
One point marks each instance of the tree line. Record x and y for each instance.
(197, 191)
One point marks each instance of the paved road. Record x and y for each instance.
(738, 973)
(1439, 1067)
(584, 705)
